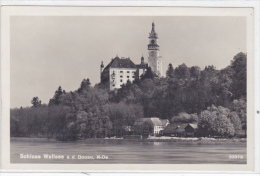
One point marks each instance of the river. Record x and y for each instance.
(127, 153)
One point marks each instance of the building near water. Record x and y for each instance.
(152, 125)
(180, 130)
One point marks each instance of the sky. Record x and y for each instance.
(48, 52)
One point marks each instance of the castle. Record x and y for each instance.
(121, 70)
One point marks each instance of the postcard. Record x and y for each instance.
(127, 89)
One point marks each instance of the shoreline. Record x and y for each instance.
(153, 139)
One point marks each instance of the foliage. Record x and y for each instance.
(149, 74)
(36, 102)
(239, 84)
(218, 96)
(170, 71)
(184, 117)
(145, 127)
(218, 121)
(240, 107)
(56, 98)
(235, 120)
(182, 71)
(195, 72)
(84, 85)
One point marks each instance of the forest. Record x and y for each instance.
(215, 99)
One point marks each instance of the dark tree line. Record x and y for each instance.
(215, 99)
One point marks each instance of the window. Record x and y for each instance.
(121, 80)
(121, 76)
(121, 71)
(127, 76)
(127, 71)
(133, 76)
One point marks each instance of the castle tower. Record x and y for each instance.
(154, 60)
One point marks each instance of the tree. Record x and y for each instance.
(36, 102)
(182, 72)
(144, 127)
(224, 127)
(240, 107)
(235, 120)
(195, 72)
(91, 112)
(122, 114)
(215, 122)
(170, 71)
(149, 74)
(185, 118)
(239, 84)
(59, 123)
(56, 98)
(84, 84)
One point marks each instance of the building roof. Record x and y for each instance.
(154, 120)
(175, 128)
(193, 125)
(142, 65)
(121, 63)
(164, 122)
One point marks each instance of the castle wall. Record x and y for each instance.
(121, 76)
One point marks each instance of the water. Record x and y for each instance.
(130, 152)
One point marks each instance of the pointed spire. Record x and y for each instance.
(153, 27)
(153, 34)
(142, 59)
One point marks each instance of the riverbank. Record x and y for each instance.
(151, 139)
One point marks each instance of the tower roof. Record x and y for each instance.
(142, 58)
(153, 34)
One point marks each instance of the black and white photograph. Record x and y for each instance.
(130, 89)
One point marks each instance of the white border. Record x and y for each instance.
(254, 4)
